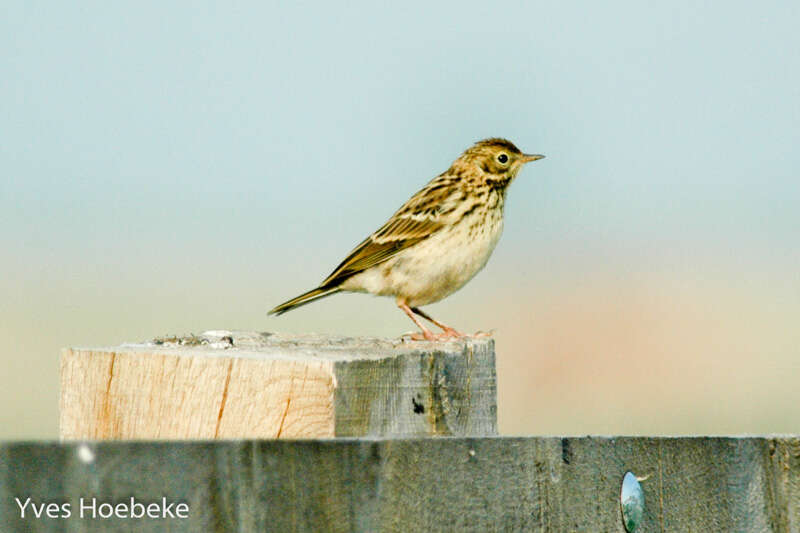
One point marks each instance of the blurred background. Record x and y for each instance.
(169, 168)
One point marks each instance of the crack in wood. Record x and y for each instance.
(285, 412)
(289, 399)
(106, 425)
(224, 398)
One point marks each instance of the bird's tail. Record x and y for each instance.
(305, 298)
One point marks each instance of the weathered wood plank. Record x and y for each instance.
(261, 385)
(435, 484)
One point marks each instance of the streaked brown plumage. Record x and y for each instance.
(437, 241)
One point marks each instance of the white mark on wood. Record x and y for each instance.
(85, 453)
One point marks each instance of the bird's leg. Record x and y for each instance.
(426, 333)
(448, 331)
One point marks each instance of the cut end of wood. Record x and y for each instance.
(234, 384)
(329, 346)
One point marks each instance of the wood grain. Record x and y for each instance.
(253, 385)
(550, 484)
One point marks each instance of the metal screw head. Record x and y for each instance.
(631, 501)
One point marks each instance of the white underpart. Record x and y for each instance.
(436, 267)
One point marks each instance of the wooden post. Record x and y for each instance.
(262, 385)
(430, 484)
(244, 385)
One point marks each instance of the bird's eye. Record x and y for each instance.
(502, 158)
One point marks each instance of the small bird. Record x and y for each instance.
(436, 242)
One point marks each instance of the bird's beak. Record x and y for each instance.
(527, 158)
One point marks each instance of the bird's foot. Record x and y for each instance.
(418, 336)
(451, 333)
(426, 336)
(430, 336)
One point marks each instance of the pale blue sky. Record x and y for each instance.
(168, 167)
(161, 125)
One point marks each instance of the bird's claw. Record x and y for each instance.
(448, 334)
(426, 336)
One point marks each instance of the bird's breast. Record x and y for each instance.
(445, 262)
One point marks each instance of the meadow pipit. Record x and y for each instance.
(437, 241)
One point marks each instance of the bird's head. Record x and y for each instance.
(497, 160)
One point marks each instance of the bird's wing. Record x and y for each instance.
(422, 216)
